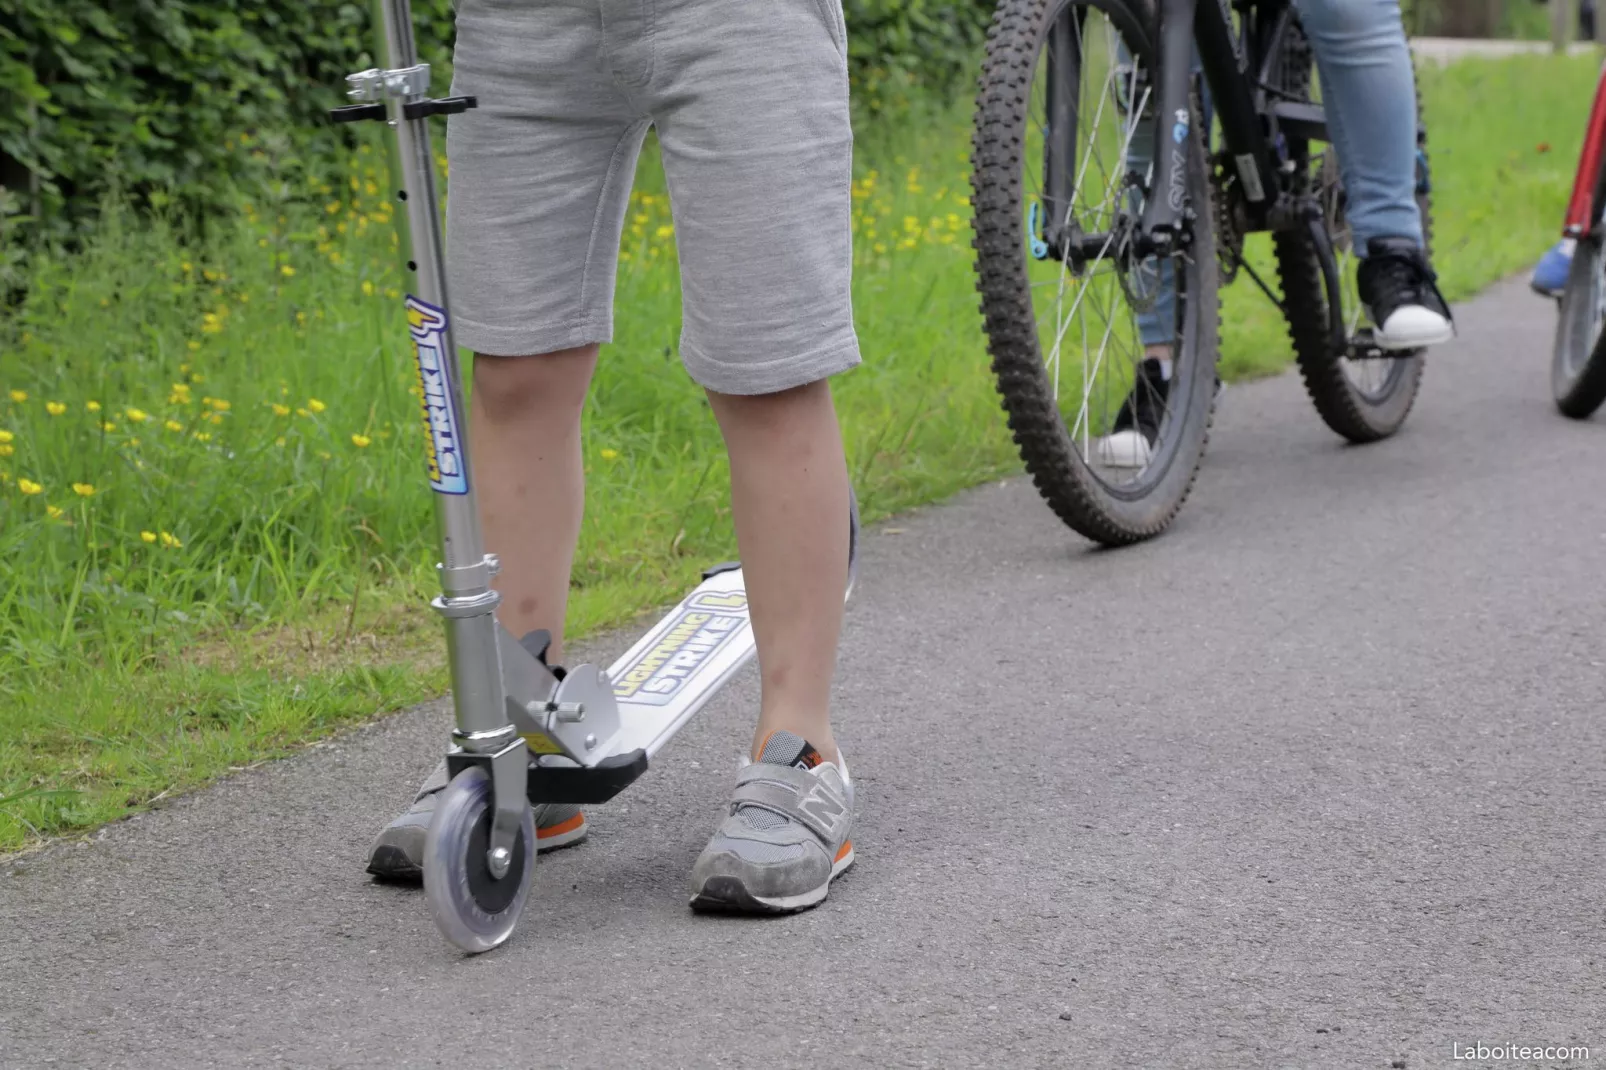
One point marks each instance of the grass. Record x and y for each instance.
(215, 543)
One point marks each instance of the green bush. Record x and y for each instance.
(149, 97)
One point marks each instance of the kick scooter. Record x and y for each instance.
(526, 732)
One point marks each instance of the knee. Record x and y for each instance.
(550, 386)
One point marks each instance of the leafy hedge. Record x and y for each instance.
(149, 97)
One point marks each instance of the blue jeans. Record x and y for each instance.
(1370, 97)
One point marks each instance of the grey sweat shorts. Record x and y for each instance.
(750, 101)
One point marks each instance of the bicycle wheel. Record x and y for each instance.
(1578, 363)
(1061, 168)
(1361, 398)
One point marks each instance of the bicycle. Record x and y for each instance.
(1065, 224)
(1578, 361)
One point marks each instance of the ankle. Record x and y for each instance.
(818, 736)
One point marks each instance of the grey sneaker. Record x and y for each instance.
(398, 853)
(786, 837)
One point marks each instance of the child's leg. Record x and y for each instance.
(524, 429)
(789, 496)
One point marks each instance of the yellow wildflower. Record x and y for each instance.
(19, 396)
(315, 405)
(201, 436)
(108, 426)
(92, 406)
(147, 536)
(333, 207)
(83, 490)
(610, 454)
(221, 405)
(53, 511)
(392, 293)
(286, 270)
(55, 408)
(279, 441)
(6, 436)
(186, 267)
(216, 418)
(360, 441)
(280, 410)
(367, 288)
(174, 425)
(28, 486)
(7, 449)
(139, 416)
(303, 412)
(664, 231)
(169, 541)
(326, 455)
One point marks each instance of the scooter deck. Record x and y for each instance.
(681, 663)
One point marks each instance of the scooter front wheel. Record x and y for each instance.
(474, 910)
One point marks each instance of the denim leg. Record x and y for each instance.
(1370, 97)
(1156, 324)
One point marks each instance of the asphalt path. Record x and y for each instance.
(1316, 780)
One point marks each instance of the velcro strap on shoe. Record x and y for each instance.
(797, 795)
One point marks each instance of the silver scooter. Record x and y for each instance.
(526, 732)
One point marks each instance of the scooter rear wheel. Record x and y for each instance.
(474, 910)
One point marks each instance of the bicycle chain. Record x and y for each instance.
(1230, 222)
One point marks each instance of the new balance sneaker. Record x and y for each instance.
(1130, 443)
(398, 852)
(785, 838)
(1401, 294)
(1550, 275)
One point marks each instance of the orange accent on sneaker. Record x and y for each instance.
(561, 828)
(847, 845)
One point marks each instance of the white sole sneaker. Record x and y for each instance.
(1124, 449)
(1413, 327)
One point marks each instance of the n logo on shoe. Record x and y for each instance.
(820, 806)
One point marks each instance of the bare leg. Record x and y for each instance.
(789, 496)
(524, 430)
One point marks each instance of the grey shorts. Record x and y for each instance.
(750, 102)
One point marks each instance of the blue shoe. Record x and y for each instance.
(1550, 276)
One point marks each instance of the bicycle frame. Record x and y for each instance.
(1254, 129)
(1583, 206)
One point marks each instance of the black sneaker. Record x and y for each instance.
(1401, 294)
(1130, 443)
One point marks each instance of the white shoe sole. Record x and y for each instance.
(1428, 329)
(1124, 449)
(727, 894)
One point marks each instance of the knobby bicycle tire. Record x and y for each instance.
(1342, 405)
(1063, 478)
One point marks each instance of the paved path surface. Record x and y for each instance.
(1443, 50)
(1317, 780)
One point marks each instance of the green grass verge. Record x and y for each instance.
(215, 544)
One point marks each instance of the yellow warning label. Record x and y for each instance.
(540, 743)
